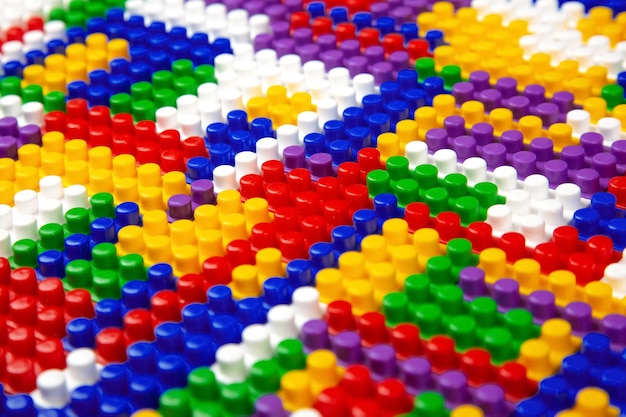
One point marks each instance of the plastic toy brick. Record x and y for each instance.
(594, 366)
(436, 356)
(601, 218)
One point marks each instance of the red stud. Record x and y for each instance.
(55, 121)
(393, 42)
(393, 398)
(566, 238)
(277, 195)
(322, 26)
(51, 322)
(299, 180)
(172, 160)
(123, 124)
(286, 219)
(23, 311)
(138, 326)
(448, 224)
(328, 188)
(441, 354)
(348, 173)
(476, 365)
(369, 37)
(99, 116)
(251, 186)
(100, 136)
(273, 171)
(78, 304)
(548, 256)
(299, 20)
(145, 131)
(147, 152)
(77, 109)
(405, 339)
(77, 129)
(194, 146)
(307, 203)
(357, 381)
(514, 245)
(512, 377)
(123, 144)
(50, 354)
(110, 346)
(583, 266)
(190, 289)
(480, 234)
(291, 245)
(170, 139)
(332, 402)
(263, 235)
(21, 375)
(372, 329)
(5, 272)
(339, 317)
(345, 31)
(239, 252)
(617, 187)
(357, 198)
(314, 230)
(164, 306)
(417, 48)
(417, 216)
(24, 281)
(215, 271)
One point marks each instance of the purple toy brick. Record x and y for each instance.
(536, 94)
(294, 157)
(303, 35)
(399, 60)
(491, 99)
(472, 282)
(578, 314)
(8, 126)
(263, 41)
(381, 359)
(591, 143)
(556, 172)
(548, 113)
(519, 106)
(356, 65)
(588, 180)
(614, 326)
(494, 155)
(350, 48)
(506, 293)
(308, 52)
(347, 347)
(507, 87)
(418, 6)
(416, 375)
(564, 100)
(293, 5)
(618, 149)
(453, 387)
(332, 58)
(232, 4)
(327, 42)
(402, 14)
(8, 147)
(465, 147)
(543, 148)
(379, 10)
(315, 335)
(463, 92)
(574, 156)
(525, 162)
(29, 134)
(276, 12)
(513, 141)
(202, 193)
(382, 71)
(490, 398)
(480, 80)
(284, 46)
(455, 126)
(374, 55)
(606, 164)
(179, 207)
(541, 304)
(436, 139)
(280, 29)
(321, 165)
(483, 133)
(269, 406)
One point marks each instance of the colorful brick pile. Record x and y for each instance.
(344, 208)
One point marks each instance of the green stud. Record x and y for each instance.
(450, 299)
(468, 209)
(439, 270)
(425, 68)
(204, 74)
(185, 85)
(32, 93)
(426, 176)
(57, 14)
(398, 168)
(106, 284)
(486, 193)
(175, 403)
(456, 185)
(378, 182)
(485, 311)
(102, 205)
(78, 274)
(25, 253)
(51, 237)
(428, 317)
(396, 308)
(11, 86)
(459, 251)
(141, 91)
(202, 384)
(451, 75)
(164, 97)
(520, 323)
(131, 268)
(143, 110)
(75, 19)
(290, 355)
(121, 103)
(437, 200)
(236, 401)
(264, 378)
(104, 256)
(162, 79)
(463, 331)
(407, 191)
(182, 68)
(76, 6)
(497, 340)
(613, 94)
(417, 288)
(54, 101)
(95, 9)
(77, 220)
(430, 404)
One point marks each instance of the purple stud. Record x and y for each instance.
(320, 165)
(269, 406)
(347, 347)
(494, 155)
(399, 60)
(574, 156)
(29, 134)
(480, 80)
(556, 172)
(179, 207)
(472, 282)
(536, 94)
(606, 164)
(308, 52)
(507, 87)
(548, 113)
(263, 41)
(382, 71)
(463, 92)
(578, 314)
(513, 140)
(327, 42)
(614, 326)
(284, 46)
(588, 180)
(202, 193)
(356, 65)
(465, 147)
(591, 143)
(303, 36)
(332, 58)
(543, 148)
(350, 48)
(519, 106)
(315, 335)
(381, 359)
(541, 305)
(490, 398)
(436, 139)
(454, 125)
(506, 293)
(490, 98)
(483, 133)
(453, 386)
(294, 157)
(374, 54)
(525, 162)
(8, 147)
(564, 100)
(618, 149)
(9, 126)
(416, 375)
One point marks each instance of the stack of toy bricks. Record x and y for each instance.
(328, 208)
